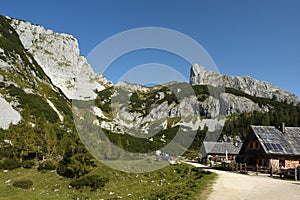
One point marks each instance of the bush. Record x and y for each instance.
(24, 184)
(92, 181)
(9, 164)
(6, 152)
(76, 165)
(47, 165)
(63, 170)
(28, 164)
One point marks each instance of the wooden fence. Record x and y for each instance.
(240, 167)
(235, 167)
(244, 168)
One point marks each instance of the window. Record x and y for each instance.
(266, 136)
(281, 163)
(251, 145)
(273, 147)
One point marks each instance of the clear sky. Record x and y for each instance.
(258, 38)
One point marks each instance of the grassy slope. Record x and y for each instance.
(173, 182)
(179, 182)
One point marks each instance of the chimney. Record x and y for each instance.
(282, 128)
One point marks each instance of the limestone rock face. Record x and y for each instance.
(237, 105)
(59, 57)
(200, 76)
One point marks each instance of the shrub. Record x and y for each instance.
(63, 170)
(47, 165)
(92, 181)
(24, 184)
(28, 164)
(76, 165)
(9, 164)
(6, 152)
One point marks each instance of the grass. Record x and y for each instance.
(172, 182)
(138, 166)
(206, 187)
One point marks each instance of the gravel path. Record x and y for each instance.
(231, 186)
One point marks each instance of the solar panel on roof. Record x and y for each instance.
(279, 147)
(273, 147)
(266, 136)
(268, 145)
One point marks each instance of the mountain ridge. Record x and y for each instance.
(200, 76)
(38, 65)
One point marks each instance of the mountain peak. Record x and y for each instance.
(59, 56)
(200, 76)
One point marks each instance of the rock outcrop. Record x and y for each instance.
(200, 76)
(237, 105)
(59, 57)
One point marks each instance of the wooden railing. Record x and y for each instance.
(244, 168)
(240, 167)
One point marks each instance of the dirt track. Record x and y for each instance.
(231, 186)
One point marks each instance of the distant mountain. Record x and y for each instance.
(200, 76)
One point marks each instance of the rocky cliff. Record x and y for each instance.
(200, 76)
(59, 56)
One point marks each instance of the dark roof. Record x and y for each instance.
(287, 143)
(220, 148)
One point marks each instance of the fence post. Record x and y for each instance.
(256, 169)
(271, 171)
(241, 167)
(296, 176)
(246, 168)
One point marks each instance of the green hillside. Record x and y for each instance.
(47, 159)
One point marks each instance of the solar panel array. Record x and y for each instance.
(273, 147)
(266, 136)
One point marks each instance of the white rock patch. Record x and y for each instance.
(98, 112)
(54, 108)
(8, 115)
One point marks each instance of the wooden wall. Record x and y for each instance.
(291, 164)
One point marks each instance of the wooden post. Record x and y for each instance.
(271, 171)
(241, 167)
(256, 169)
(296, 177)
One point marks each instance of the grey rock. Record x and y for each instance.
(251, 86)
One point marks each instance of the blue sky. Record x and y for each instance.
(259, 38)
